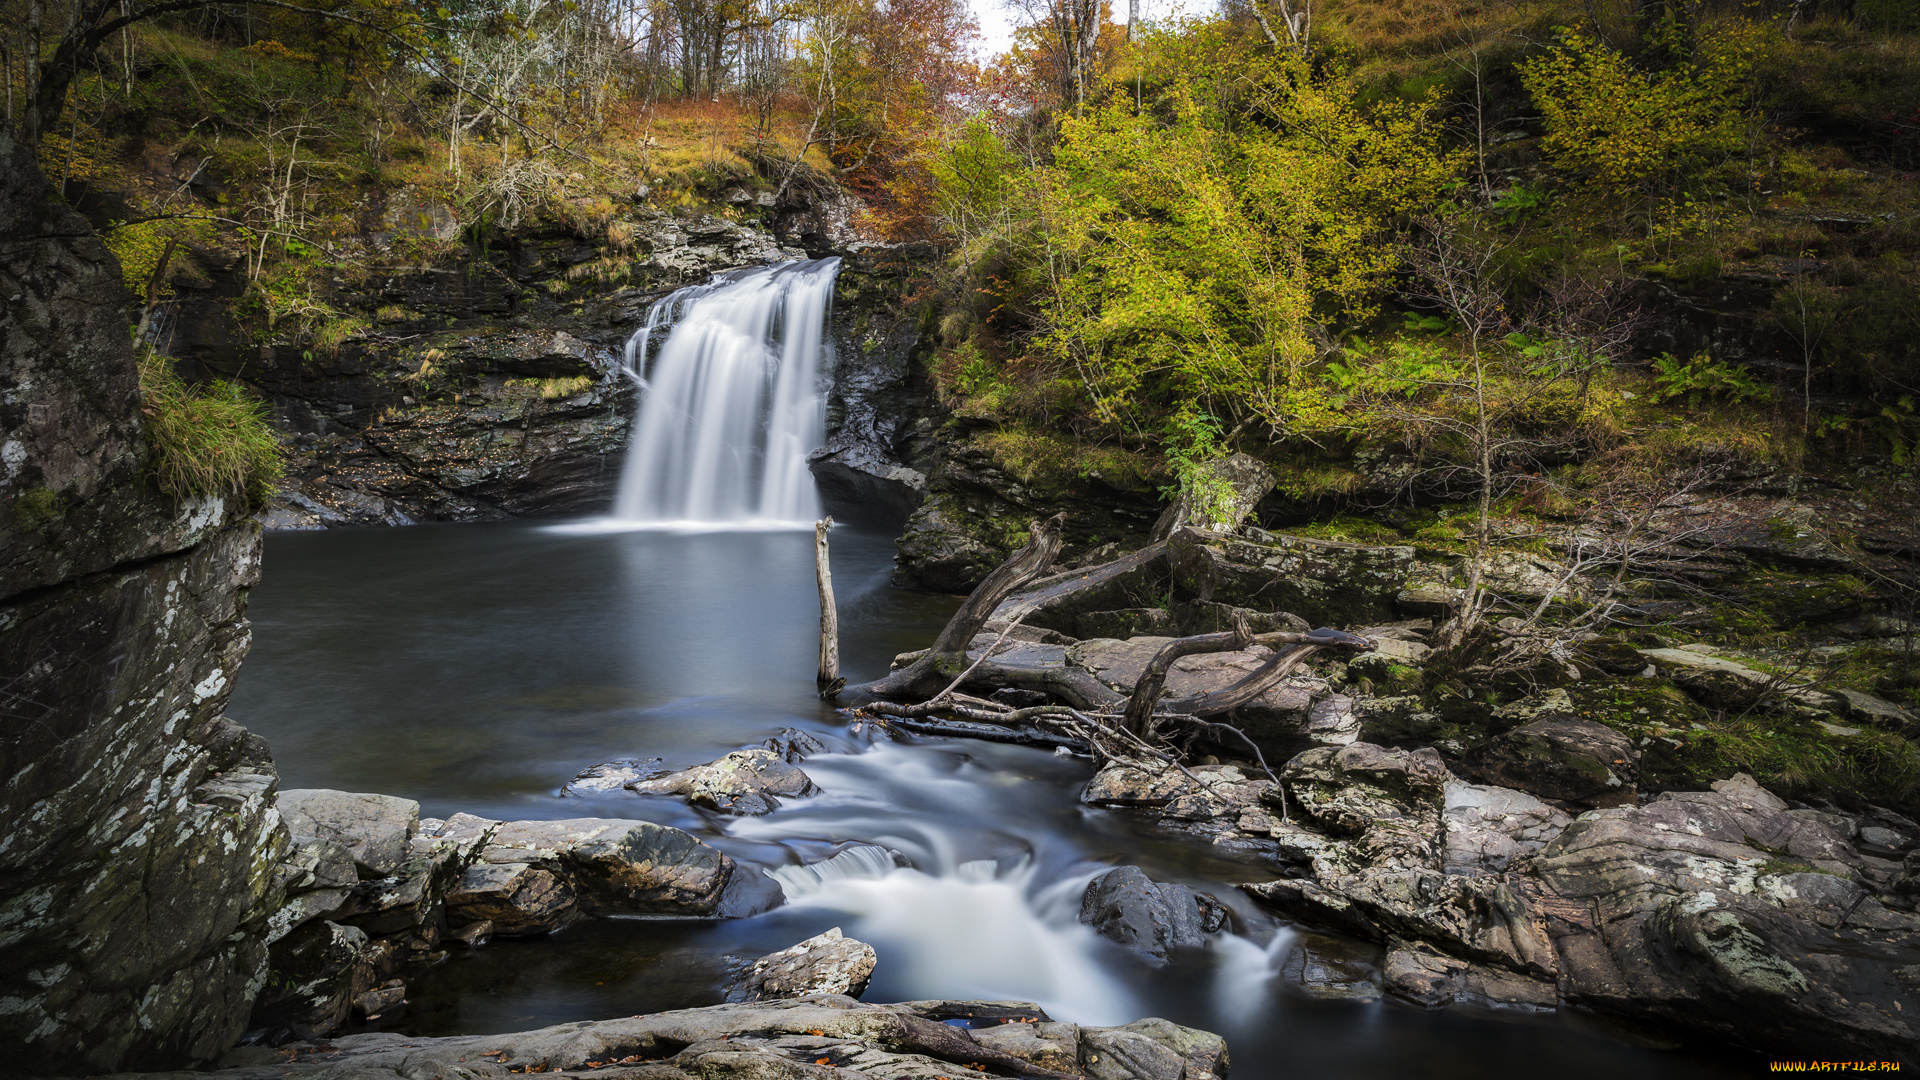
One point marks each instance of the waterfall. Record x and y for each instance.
(730, 404)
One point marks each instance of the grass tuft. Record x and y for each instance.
(207, 440)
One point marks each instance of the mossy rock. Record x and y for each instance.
(1799, 600)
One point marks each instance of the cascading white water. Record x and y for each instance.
(730, 404)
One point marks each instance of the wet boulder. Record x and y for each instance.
(748, 782)
(1335, 968)
(1576, 762)
(1048, 1044)
(614, 775)
(828, 963)
(618, 866)
(1149, 917)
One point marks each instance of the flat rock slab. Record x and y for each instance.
(373, 828)
(776, 1039)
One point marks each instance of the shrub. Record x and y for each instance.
(1704, 377)
(206, 440)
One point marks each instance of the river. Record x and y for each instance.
(479, 667)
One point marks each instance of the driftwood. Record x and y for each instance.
(986, 732)
(947, 657)
(1047, 591)
(828, 679)
(1146, 690)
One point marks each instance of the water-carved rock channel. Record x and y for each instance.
(478, 668)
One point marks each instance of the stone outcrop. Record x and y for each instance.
(1721, 911)
(828, 963)
(1574, 762)
(806, 1037)
(1146, 917)
(140, 862)
(371, 886)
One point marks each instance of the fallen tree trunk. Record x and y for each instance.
(1048, 591)
(1146, 691)
(1266, 675)
(947, 659)
(963, 729)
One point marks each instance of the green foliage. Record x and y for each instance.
(1403, 368)
(1193, 445)
(1522, 201)
(976, 179)
(1620, 128)
(206, 440)
(1703, 378)
(1190, 250)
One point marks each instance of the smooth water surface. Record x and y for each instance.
(479, 667)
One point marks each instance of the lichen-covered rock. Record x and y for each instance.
(827, 963)
(374, 829)
(1490, 829)
(614, 865)
(1149, 917)
(140, 859)
(1576, 762)
(1714, 680)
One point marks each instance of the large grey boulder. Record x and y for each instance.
(373, 828)
(1149, 917)
(828, 963)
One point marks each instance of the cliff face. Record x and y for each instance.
(140, 856)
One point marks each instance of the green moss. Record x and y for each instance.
(1035, 457)
(36, 507)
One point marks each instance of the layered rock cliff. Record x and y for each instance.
(140, 858)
